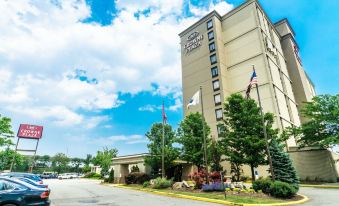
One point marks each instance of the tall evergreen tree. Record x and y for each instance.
(190, 136)
(283, 168)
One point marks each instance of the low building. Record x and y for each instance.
(123, 165)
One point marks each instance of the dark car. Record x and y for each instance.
(33, 177)
(29, 181)
(14, 192)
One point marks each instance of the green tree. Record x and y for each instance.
(243, 139)
(60, 162)
(5, 131)
(214, 155)
(6, 157)
(43, 161)
(322, 126)
(76, 162)
(190, 136)
(104, 159)
(171, 153)
(88, 159)
(283, 168)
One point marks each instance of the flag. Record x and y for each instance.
(164, 116)
(253, 81)
(194, 100)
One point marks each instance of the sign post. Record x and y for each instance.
(27, 131)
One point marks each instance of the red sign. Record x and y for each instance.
(30, 131)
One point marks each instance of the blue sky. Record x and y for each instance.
(67, 65)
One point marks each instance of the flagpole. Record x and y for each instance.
(264, 130)
(163, 143)
(204, 134)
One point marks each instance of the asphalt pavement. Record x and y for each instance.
(81, 192)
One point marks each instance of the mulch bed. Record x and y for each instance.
(243, 194)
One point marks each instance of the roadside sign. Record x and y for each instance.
(30, 131)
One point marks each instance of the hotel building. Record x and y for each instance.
(218, 52)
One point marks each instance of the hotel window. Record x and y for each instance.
(209, 24)
(214, 72)
(217, 99)
(220, 129)
(218, 114)
(212, 47)
(210, 35)
(216, 85)
(213, 59)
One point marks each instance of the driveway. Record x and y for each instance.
(81, 192)
(89, 192)
(319, 196)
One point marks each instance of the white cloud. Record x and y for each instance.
(221, 6)
(42, 43)
(95, 121)
(127, 139)
(149, 108)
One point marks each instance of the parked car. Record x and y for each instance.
(29, 181)
(48, 175)
(33, 177)
(67, 176)
(19, 193)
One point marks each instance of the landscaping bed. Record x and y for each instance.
(231, 196)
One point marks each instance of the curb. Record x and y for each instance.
(321, 186)
(223, 202)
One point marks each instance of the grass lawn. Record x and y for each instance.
(218, 196)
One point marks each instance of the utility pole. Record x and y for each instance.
(163, 142)
(204, 134)
(264, 130)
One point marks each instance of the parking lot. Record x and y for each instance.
(80, 192)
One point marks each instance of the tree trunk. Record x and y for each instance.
(252, 171)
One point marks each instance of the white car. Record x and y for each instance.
(68, 176)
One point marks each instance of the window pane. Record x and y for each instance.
(220, 129)
(216, 85)
(212, 47)
(214, 71)
(217, 99)
(209, 24)
(213, 59)
(210, 35)
(218, 114)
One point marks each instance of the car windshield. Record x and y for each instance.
(28, 181)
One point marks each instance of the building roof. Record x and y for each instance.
(131, 156)
(285, 20)
(213, 13)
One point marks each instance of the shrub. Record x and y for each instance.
(262, 184)
(93, 175)
(245, 178)
(282, 190)
(161, 183)
(137, 178)
(216, 186)
(146, 184)
(198, 178)
(111, 176)
(215, 176)
(135, 168)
